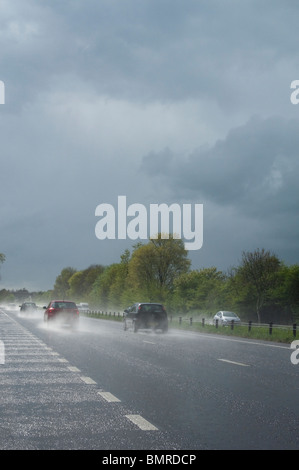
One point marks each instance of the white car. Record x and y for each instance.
(83, 307)
(225, 318)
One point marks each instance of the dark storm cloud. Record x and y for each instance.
(254, 169)
(146, 50)
(93, 86)
(248, 183)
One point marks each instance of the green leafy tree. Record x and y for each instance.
(154, 267)
(81, 282)
(292, 288)
(76, 285)
(199, 290)
(90, 275)
(109, 287)
(61, 286)
(259, 271)
(102, 288)
(6, 296)
(287, 292)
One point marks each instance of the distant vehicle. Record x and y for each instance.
(225, 317)
(12, 306)
(83, 307)
(146, 316)
(64, 311)
(28, 306)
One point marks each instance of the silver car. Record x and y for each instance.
(225, 318)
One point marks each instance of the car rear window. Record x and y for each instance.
(64, 305)
(152, 308)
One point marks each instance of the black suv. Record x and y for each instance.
(146, 315)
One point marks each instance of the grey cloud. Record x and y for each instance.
(254, 168)
(92, 86)
(155, 164)
(151, 50)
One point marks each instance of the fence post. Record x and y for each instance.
(203, 322)
(270, 328)
(180, 320)
(232, 324)
(191, 321)
(294, 329)
(216, 323)
(249, 325)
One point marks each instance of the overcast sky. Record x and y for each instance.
(163, 101)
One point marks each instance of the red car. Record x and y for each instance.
(64, 311)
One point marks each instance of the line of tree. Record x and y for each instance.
(261, 288)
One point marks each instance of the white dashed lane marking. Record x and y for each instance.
(233, 362)
(142, 423)
(73, 369)
(88, 380)
(108, 397)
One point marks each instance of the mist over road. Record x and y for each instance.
(104, 388)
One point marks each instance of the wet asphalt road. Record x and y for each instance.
(103, 388)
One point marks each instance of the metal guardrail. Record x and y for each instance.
(250, 324)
